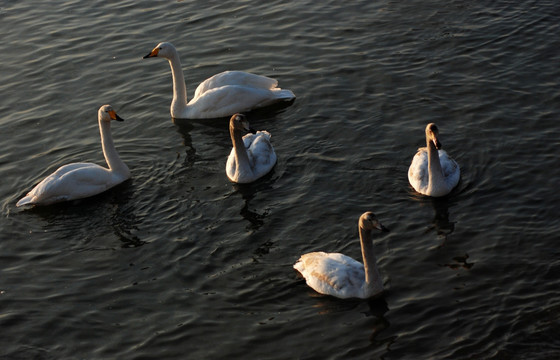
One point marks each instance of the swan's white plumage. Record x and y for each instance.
(334, 274)
(418, 171)
(260, 155)
(341, 276)
(240, 78)
(221, 95)
(80, 180)
(435, 179)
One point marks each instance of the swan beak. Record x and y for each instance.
(152, 53)
(114, 116)
(437, 143)
(248, 127)
(380, 227)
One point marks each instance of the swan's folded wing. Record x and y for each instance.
(331, 274)
(261, 153)
(418, 170)
(73, 181)
(448, 165)
(450, 168)
(235, 78)
(229, 99)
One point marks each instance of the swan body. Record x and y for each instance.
(252, 155)
(221, 95)
(341, 276)
(432, 171)
(80, 180)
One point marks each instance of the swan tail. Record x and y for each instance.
(283, 95)
(26, 200)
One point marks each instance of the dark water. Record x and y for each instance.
(178, 263)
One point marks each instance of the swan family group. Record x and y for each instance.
(432, 171)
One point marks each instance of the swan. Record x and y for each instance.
(252, 155)
(80, 180)
(341, 276)
(433, 172)
(221, 95)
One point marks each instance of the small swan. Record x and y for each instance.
(252, 155)
(341, 276)
(221, 95)
(80, 180)
(433, 172)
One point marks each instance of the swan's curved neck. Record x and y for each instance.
(241, 158)
(435, 172)
(116, 165)
(370, 263)
(179, 101)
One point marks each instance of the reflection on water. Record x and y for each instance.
(184, 127)
(460, 262)
(124, 226)
(248, 192)
(377, 309)
(110, 207)
(375, 314)
(441, 222)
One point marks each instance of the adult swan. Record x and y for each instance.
(221, 95)
(80, 180)
(433, 172)
(341, 276)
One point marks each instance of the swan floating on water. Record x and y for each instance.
(80, 180)
(252, 155)
(221, 95)
(341, 276)
(433, 172)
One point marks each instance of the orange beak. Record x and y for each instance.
(153, 53)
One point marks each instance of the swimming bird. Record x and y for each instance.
(80, 180)
(221, 95)
(341, 276)
(433, 172)
(252, 155)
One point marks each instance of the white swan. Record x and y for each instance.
(80, 180)
(341, 276)
(252, 155)
(221, 95)
(433, 172)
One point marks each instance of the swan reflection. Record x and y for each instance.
(441, 222)
(248, 192)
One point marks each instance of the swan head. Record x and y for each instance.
(432, 133)
(106, 113)
(238, 122)
(368, 221)
(163, 49)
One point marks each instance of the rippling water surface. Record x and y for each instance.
(179, 263)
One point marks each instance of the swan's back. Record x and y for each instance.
(418, 173)
(241, 78)
(260, 151)
(261, 154)
(333, 274)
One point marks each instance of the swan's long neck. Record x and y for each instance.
(435, 173)
(373, 279)
(179, 101)
(241, 158)
(116, 165)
